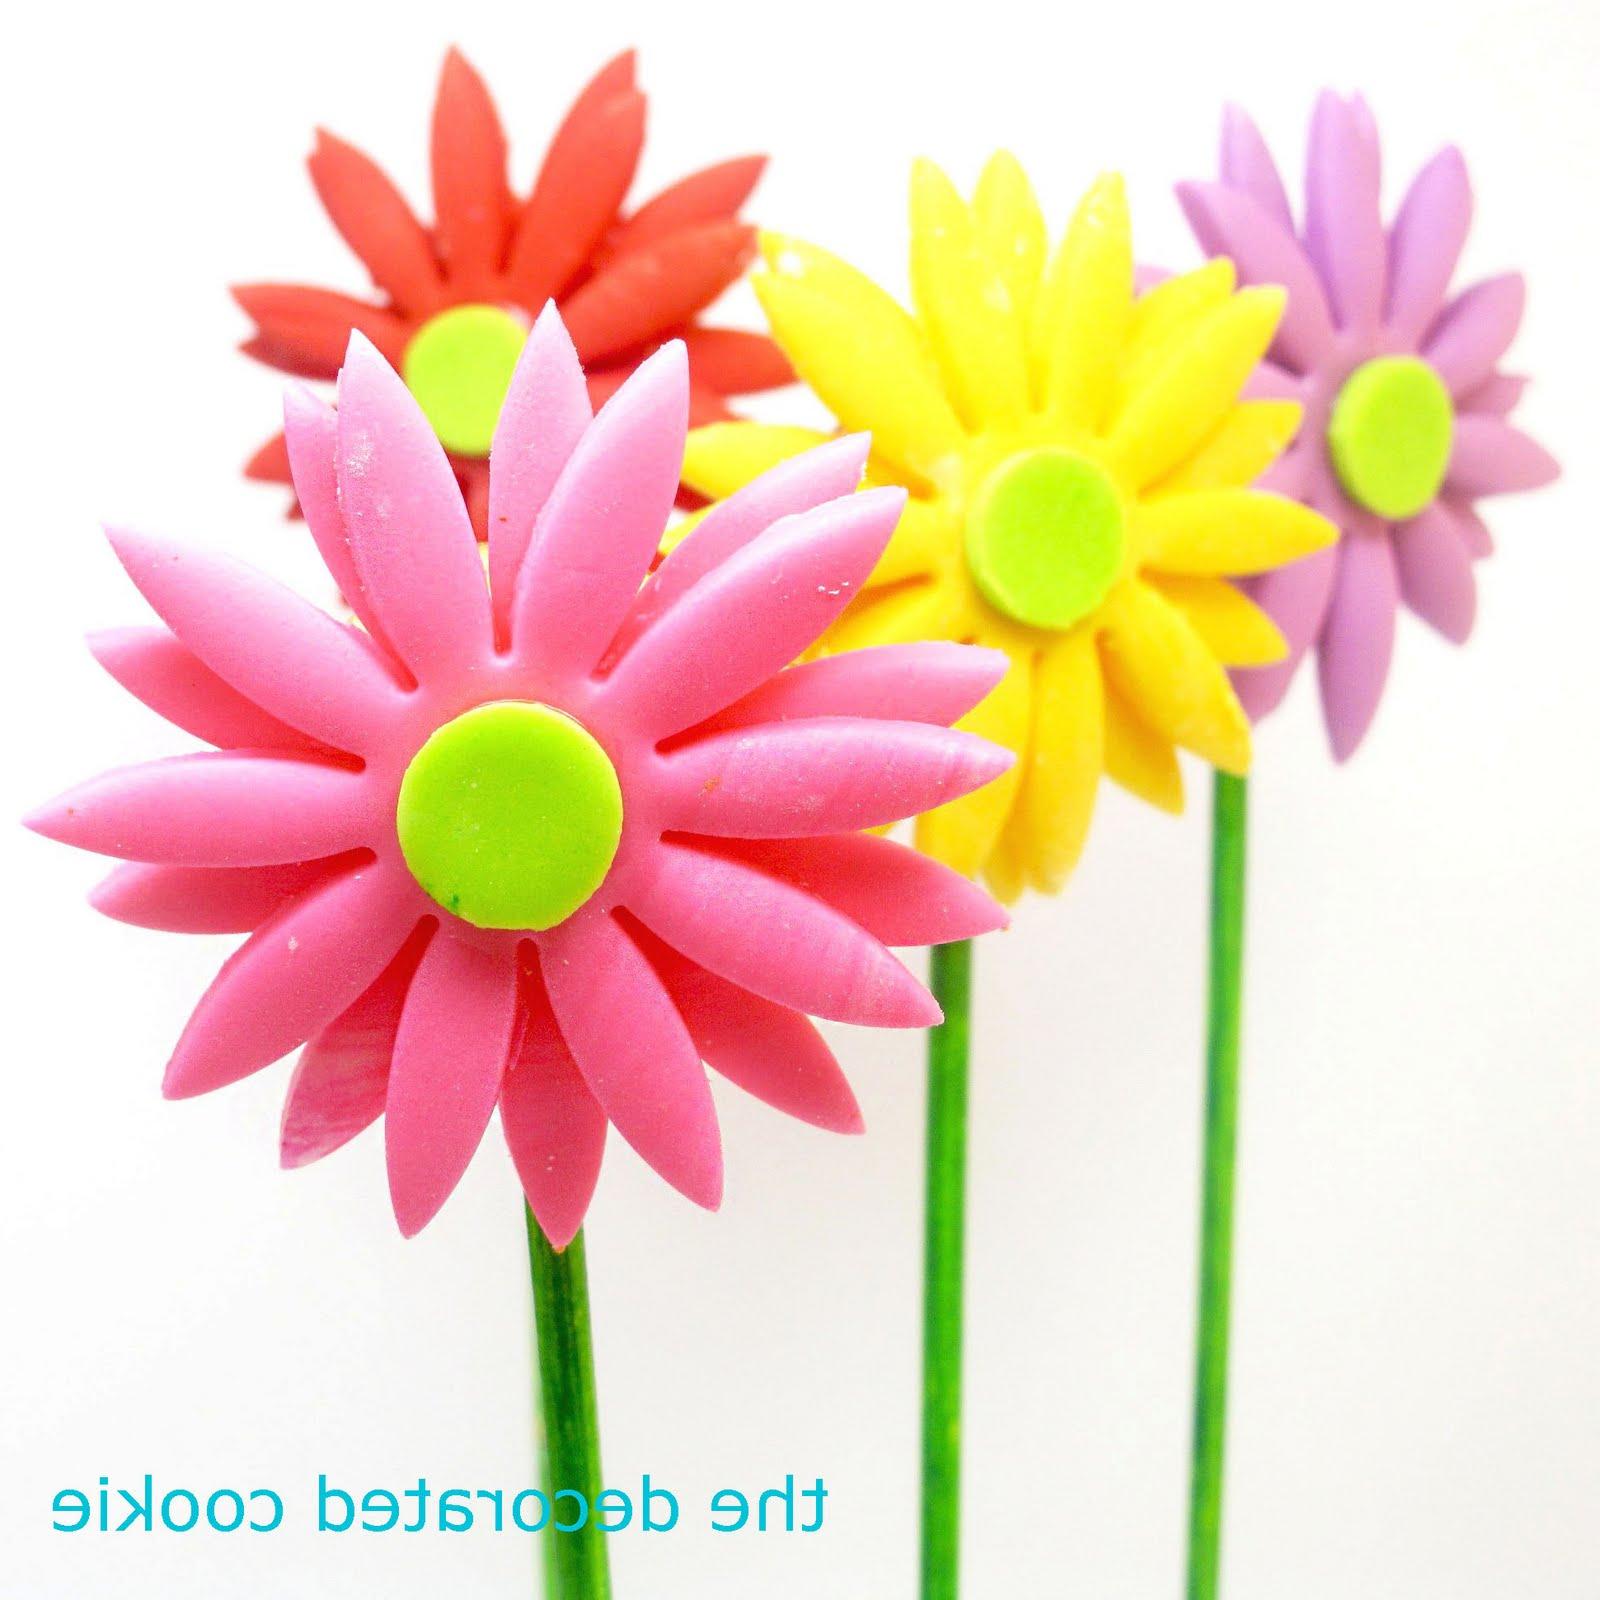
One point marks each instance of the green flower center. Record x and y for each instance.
(1390, 433)
(1045, 537)
(509, 815)
(459, 366)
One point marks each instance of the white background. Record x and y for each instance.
(1417, 1395)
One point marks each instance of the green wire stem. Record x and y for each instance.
(951, 982)
(577, 1561)
(1228, 822)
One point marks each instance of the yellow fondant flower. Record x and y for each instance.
(1079, 459)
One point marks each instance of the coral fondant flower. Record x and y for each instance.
(548, 840)
(1077, 460)
(1405, 404)
(455, 300)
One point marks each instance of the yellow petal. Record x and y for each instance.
(863, 354)
(1174, 304)
(723, 457)
(1252, 436)
(902, 615)
(962, 834)
(1006, 871)
(1226, 531)
(1055, 799)
(1011, 229)
(1236, 630)
(1138, 759)
(1087, 306)
(924, 540)
(1194, 386)
(1168, 676)
(965, 305)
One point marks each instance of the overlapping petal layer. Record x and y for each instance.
(1357, 295)
(1017, 358)
(734, 896)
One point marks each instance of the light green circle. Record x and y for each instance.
(1390, 434)
(1045, 537)
(459, 366)
(509, 816)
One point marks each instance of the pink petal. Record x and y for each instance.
(212, 810)
(899, 895)
(774, 939)
(1247, 166)
(342, 1076)
(1358, 638)
(751, 616)
(311, 437)
(770, 1051)
(292, 977)
(1435, 571)
(1425, 241)
(1499, 393)
(1475, 330)
(554, 1127)
(450, 1055)
(541, 421)
(1474, 531)
(296, 662)
(1296, 598)
(206, 899)
(1491, 457)
(824, 775)
(1228, 223)
(1344, 228)
(634, 1052)
(602, 524)
(409, 532)
(155, 669)
(931, 681)
(798, 484)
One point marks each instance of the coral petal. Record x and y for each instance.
(206, 899)
(544, 415)
(824, 775)
(634, 1051)
(602, 524)
(410, 536)
(554, 1127)
(809, 956)
(293, 976)
(450, 1055)
(472, 201)
(342, 1077)
(900, 896)
(160, 672)
(755, 612)
(932, 681)
(296, 662)
(212, 810)
(713, 194)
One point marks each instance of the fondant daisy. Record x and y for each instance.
(1078, 463)
(454, 300)
(551, 840)
(1405, 404)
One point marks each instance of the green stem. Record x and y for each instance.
(578, 1562)
(945, 1242)
(1228, 820)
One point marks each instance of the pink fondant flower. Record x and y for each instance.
(1406, 407)
(549, 841)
